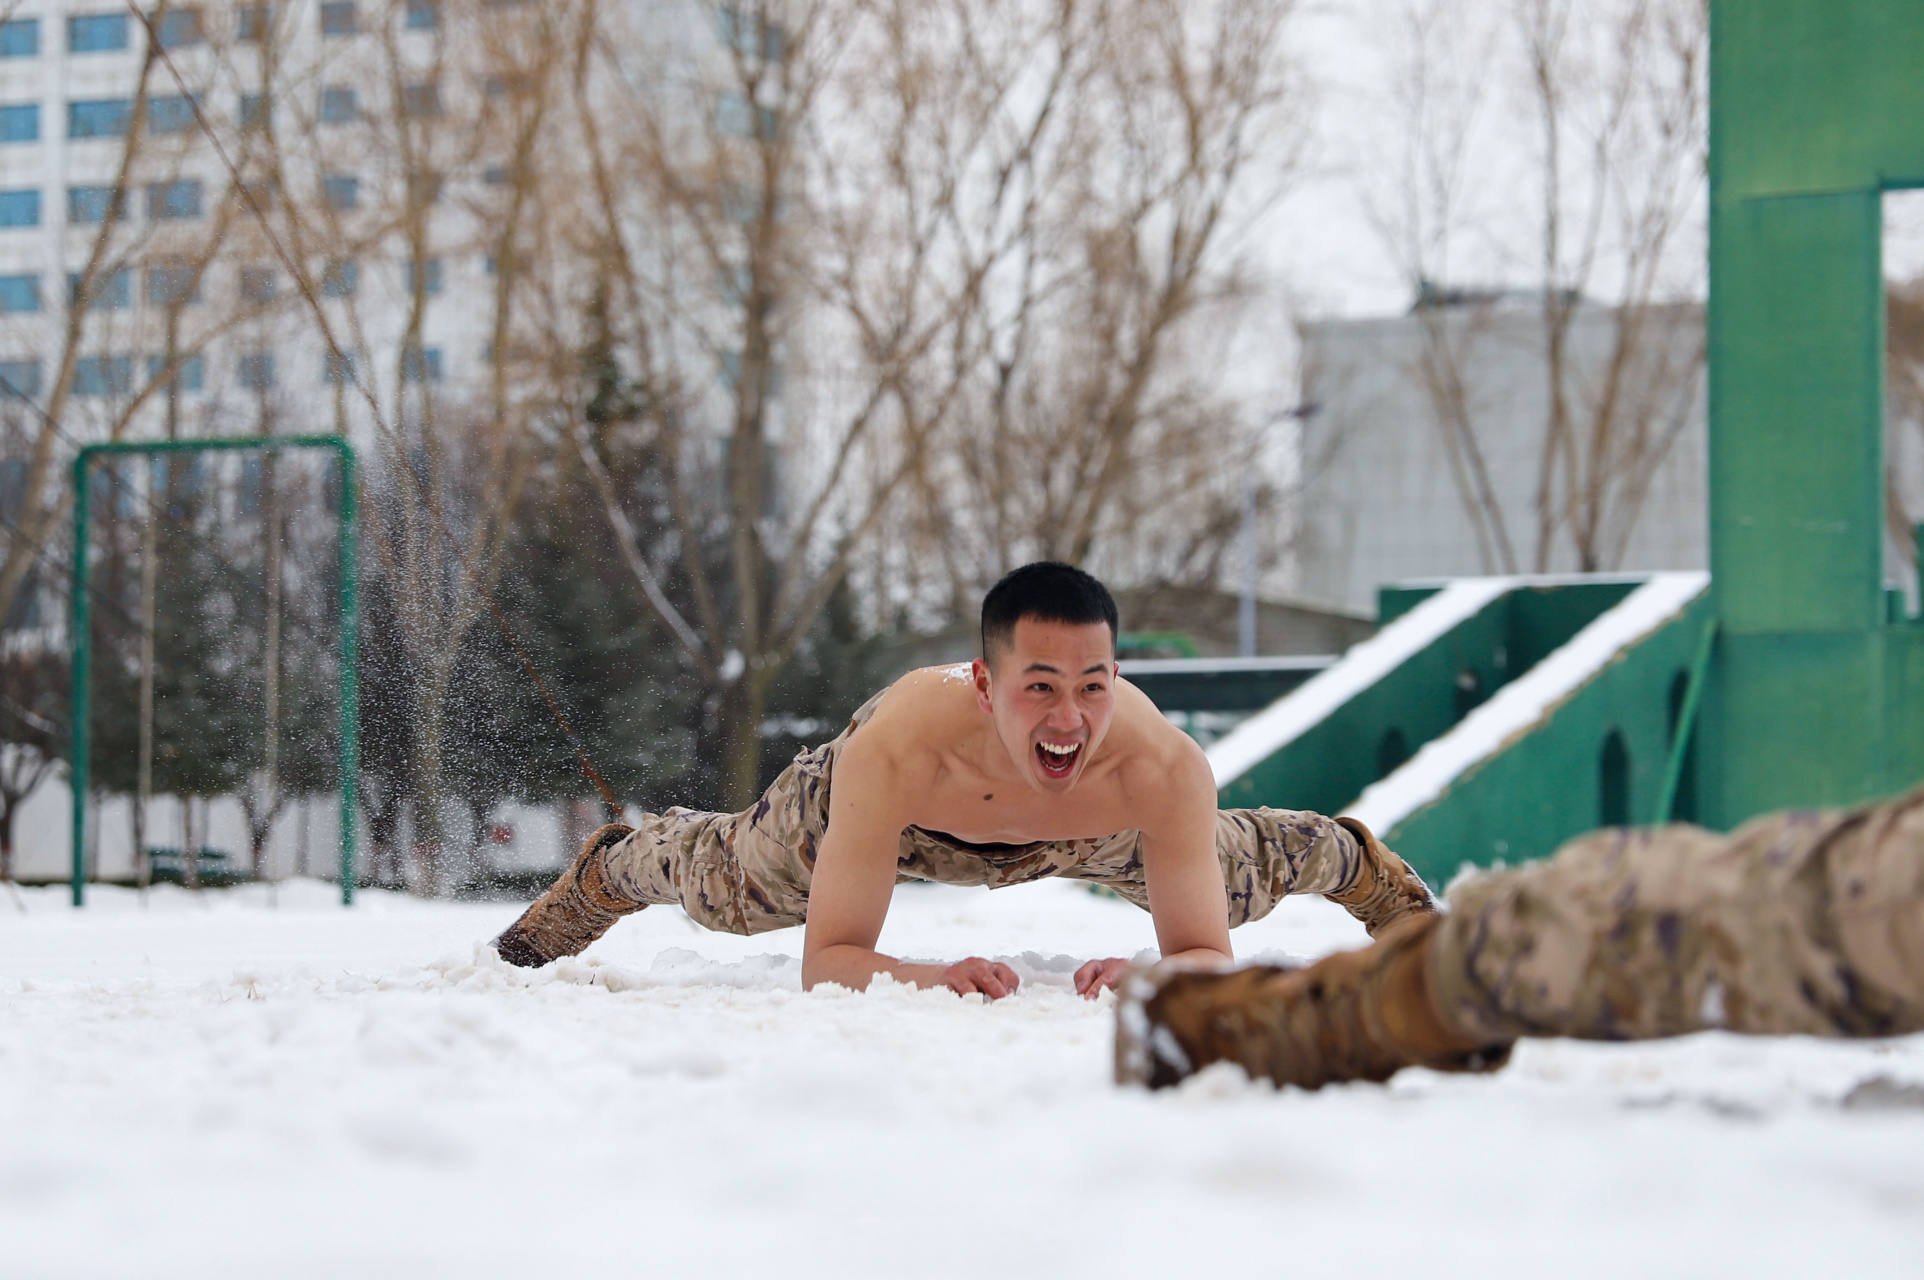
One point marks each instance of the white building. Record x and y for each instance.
(1423, 444)
(306, 102)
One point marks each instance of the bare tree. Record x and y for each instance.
(398, 153)
(1616, 98)
(1132, 150)
(776, 321)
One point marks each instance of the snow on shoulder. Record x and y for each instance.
(1526, 701)
(1288, 718)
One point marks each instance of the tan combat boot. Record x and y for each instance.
(577, 908)
(1356, 1015)
(1386, 889)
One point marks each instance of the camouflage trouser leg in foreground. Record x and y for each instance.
(750, 872)
(1808, 923)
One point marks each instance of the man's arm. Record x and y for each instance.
(869, 803)
(1180, 867)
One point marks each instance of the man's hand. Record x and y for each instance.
(993, 980)
(1097, 976)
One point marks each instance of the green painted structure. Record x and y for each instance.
(1815, 694)
(1795, 680)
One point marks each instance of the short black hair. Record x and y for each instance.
(1047, 591)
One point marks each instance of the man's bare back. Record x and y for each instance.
(1039, 741)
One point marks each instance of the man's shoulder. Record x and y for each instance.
(920, 714)
(1150, 743)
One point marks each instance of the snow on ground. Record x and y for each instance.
(213, 1086)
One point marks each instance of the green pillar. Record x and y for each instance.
(1817, 107)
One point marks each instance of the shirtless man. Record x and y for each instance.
(1036, 760)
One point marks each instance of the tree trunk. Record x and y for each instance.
(745, 707)
(428, 796)
(189, 854)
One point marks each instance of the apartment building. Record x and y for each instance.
(273, 197)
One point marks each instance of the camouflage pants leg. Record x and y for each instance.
(1266, 854)
(743, 873)
(1807, 923)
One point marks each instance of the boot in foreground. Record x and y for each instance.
(577, 908)
(1356, 1015)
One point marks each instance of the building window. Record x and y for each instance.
(180, 28)
(172, 285)
(173, 114)
(103, 375)
(422, 100)
(342, 191)
(256, 371)
(430, 278)
(20, 378)
(337, 18)
(258, 284)
(19, 293)
(421, 364)
(20, 208)
(112, 291)
(338, 106)
(253, 109)
(96, 32)
(103, 118)
(177, 199)
(88, 206)
(189, 371)
(423, 15)
(20, 38)
(253, 22)
(340, 278)
(338, 368)
(20, 122)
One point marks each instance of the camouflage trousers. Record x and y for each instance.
(749, 872)
(1808, 923)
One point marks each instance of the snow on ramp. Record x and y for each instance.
(1527, 701)
(1289, 718)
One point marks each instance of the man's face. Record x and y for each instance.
(1051, 695)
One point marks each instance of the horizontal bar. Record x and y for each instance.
(337, 443)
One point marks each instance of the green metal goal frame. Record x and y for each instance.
(80, 641)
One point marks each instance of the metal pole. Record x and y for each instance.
(350, 675)
(1246, 614)
(81, 642)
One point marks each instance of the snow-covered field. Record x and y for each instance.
(214, 1086)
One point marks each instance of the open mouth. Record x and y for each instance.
(1057, 759)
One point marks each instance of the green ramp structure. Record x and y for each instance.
(1481, 724)
(1491, 718)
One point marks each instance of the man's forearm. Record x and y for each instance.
(855, 967)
